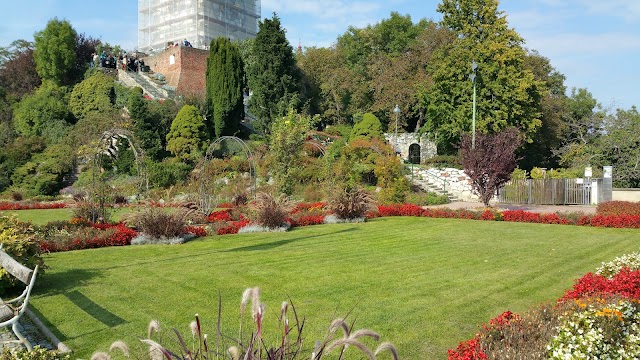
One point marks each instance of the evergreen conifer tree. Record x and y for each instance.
(225, 85)
(273, 76)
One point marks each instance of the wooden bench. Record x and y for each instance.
(12, 310)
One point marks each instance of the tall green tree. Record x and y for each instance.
(273, 76)
(508, 94)
(55, 53)
(225, 86)
(620, 146)
(543, 150)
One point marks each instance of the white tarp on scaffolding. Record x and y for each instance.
(165, 22)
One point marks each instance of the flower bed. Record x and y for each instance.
(618, 208)
(614, 221)
(6, 205)
(79, 234)
(94, 236)
(599, 318)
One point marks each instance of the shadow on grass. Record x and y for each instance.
(275, 244)
(60, 283)
(94, 310)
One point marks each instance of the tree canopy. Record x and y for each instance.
(508, 94)
(55, 53)
(273, 76)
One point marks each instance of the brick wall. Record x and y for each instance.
(185, 69)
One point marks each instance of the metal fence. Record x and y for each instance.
(550, 191)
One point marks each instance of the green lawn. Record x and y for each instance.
(424, 284)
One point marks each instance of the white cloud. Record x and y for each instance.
(626, 9)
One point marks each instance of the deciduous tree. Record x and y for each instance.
(491, 162)
(288, 134)
(55, 52)
(507, 93)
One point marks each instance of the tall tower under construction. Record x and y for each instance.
(162, 23)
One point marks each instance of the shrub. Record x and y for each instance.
(351, 203)
(29, 205)
(443, 161)
(38, 353)
(270, 211)
(188, 135)
(92, 212)
(19, 241)
(16, 196)
(369, 128)
(158, 222)
(168, 172)
(618, 208)
(427, 198)
(89, 237)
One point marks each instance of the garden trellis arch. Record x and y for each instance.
(108, 146)
(206, 198)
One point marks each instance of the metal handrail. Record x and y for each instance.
(444, 181)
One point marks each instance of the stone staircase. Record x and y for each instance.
(154, 88)
(451, 182)
(431, 183)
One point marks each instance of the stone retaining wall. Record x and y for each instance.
(406, 140)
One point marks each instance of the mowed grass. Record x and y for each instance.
(424, 284)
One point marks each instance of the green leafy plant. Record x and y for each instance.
(38, 353)
(19, 241)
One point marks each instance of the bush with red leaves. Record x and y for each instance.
(626, 283)
(5, 205)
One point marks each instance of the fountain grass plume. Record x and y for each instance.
(120, 345)
(365, 332)
(234, 353)
(154, 327)
(351, 342)
(100, 355)
(156, 351)
(387, 346)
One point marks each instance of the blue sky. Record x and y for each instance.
(595, 43)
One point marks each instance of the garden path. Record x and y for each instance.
(532, 208)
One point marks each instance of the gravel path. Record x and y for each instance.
(532, 208)
(30, 331)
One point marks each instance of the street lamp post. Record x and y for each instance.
(397, 111)
(472, 76)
